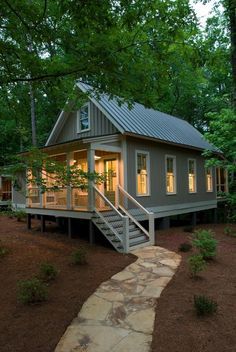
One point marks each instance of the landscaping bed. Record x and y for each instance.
(38, 328)
(177, 327)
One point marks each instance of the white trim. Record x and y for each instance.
(78, 116)
(174, 172)
(56, 127)
(84, 90)
(195, 174)
(148, 172)
(211, 175)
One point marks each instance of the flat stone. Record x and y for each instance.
(163, 271)
(169, 262)
(152, 290)
(142, 320)
(111, 296)
(148, 265)
(134, 268)
(134, 342)
(123, 275)
(95, 308)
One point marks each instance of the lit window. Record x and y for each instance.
(209, 179)
(192, 176)
(170, 175)
(221, 180)
(83, 119)
(142, 173)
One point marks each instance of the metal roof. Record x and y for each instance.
(150, 123)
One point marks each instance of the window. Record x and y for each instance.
(192, 188)
(209, 179)
(83, 119)
(170, 174)
(142, 167)
(221, 180)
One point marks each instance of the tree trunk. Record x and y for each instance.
(33, 117)
(231, 10)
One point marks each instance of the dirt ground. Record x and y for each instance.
(38, 328)
(177, 328)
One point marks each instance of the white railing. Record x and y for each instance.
(102, 206)
(136, 212)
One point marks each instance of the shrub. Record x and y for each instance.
(196, 264)
(3, 251)
(185, 247)
(229, 231)
(20, 215)
(32, 291)
(79, 256)
(204, 305)
(205, 243)
(48, 272)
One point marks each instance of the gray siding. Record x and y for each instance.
(158, 196)
(99, 126)
(19, 196)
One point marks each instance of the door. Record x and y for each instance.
(110, 170)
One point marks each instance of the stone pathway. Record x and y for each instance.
(119, 316)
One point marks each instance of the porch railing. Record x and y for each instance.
(136, 212)
(116, 222)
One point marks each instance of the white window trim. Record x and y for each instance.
(78, 119)
(195, 179)
(174, 171)
(148, 172)
(212, 186)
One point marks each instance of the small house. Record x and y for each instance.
(153, 165)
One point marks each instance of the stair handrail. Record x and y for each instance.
(107, 200)
(151, 232)
(134, 200)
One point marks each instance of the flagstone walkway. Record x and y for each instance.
(119, 316)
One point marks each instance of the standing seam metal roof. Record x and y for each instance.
(151, 123)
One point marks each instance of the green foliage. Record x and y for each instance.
(48, 272)
(229, 231)
(20, 215)
(185, 247)
(3, 250)
(204, 305)
(196, 264)
(32, 291)
(79, 256)
(205, 242)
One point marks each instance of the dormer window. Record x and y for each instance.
(83, 119)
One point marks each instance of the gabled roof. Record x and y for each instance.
(149, 123)
(141, 121)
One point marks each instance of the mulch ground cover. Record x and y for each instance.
(177, 327)
(38, 328)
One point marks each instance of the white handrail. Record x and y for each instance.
(108, 225)
(107, 201)
(135, 221)
(134, 200)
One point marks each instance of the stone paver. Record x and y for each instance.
(119, 316)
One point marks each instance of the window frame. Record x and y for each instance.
(211, 176)
(173, 157)
(79, 119)
(148, 172)
(195, 174)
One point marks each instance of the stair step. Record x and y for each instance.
(132, 244)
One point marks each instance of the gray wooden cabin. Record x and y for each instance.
(153, 164)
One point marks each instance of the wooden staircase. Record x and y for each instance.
(119, 226)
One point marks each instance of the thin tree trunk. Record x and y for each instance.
(33, 117)
(231, 9)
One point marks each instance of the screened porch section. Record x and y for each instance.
(70, 198)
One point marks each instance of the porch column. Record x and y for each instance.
(91, 168)
(69, 162)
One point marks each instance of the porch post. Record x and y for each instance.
(91, 168)
(69, 162)
(152, 228)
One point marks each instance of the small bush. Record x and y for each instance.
(48, 272)
(204, 305)
(3, 251)
(32, 291)
(196, 264)
(20, 215)
(185, 247)
(79, 256)
(205, 243)
(229, 231)
(188, 228)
